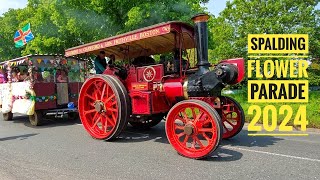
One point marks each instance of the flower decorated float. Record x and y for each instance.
(37, 85)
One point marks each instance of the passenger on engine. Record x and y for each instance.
(112, 58)
(62, 77)
(162, 59)
(176, 61)
(100, 63)
(167, 65)
(143, 61)
(120, 71)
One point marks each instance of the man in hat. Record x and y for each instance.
(100, 62)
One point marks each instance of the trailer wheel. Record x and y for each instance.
(147, 122)
(103, 108)
(36, 118)
(187, 132)
(7, 116)
(232, 116)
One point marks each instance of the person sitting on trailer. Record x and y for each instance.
(3, 76)
(22, 76)
(62, 77)
(15, 77)
(37, 76)
(28, 78)
(100, 63)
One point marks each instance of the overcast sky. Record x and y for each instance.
(214, 6)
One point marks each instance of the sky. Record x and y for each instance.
(214, 6)
(6, 4)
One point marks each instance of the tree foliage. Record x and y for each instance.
(8, 25)
(61, 24)
(242, 17)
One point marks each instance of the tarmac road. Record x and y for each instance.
(63, 150)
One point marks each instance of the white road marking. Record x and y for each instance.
(270, 153)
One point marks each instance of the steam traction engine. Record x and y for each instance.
(142, 93)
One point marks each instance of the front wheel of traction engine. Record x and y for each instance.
(193, 128)
(103, 107)
(36, 118)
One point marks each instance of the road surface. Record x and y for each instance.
(63, 150)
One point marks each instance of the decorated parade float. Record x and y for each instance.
(141, 90)
(39, 85)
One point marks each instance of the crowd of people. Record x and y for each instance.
(20, 76)
(16, 75)
(100, 65)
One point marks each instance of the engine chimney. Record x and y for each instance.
(201, 35)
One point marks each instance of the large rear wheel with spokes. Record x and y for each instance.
(103, 107)
(193, 128)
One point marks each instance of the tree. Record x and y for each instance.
(243, 17)
(146, 14)
(61, 24)
(9, 24)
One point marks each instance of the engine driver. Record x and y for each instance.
(120, 71)
(112, 58)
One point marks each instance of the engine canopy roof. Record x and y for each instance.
(156, 39)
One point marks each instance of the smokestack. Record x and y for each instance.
(201, 35)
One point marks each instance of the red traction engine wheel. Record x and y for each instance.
(104, 106)
(193, 128)
(232, 117)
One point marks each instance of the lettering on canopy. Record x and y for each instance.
(121, 40)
